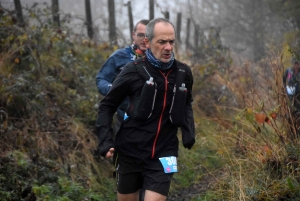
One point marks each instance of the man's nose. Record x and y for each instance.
(168, 46)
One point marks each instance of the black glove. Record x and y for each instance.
(189, 144)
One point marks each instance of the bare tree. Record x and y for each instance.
(19, 11)
(112, 22)
(243, 23)
(188, 29)
(167, 15)
(286, 15)
(55, 13)
(178, 27)
(130, 18)
(88, 15)
(151, 9)
(196, 36)
(257, 29)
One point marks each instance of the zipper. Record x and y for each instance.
(162, 112)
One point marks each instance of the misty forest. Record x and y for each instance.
(247, 142)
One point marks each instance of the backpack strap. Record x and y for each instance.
(180, 74)
(141, 69)
(142, 106)
(177, 110)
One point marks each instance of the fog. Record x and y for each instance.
(244, 26)
(76, 8)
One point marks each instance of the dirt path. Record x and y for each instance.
(195, 191)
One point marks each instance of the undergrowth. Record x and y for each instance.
(258, 136)
(48, 102)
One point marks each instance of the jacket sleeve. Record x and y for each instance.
(110, 70)
(188, 128)
(108, 106)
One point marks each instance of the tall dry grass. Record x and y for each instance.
(254, 135)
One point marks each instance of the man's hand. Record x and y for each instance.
(110, 153)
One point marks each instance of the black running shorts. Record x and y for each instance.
(134, 174)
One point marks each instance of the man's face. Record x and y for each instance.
(163, 41)
(296, 65)
(138, 37)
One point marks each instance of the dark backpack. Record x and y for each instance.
(141, 108)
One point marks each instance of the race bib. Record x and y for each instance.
(169, 164)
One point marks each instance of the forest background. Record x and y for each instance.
(247, 134)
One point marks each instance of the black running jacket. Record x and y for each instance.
(155, 136)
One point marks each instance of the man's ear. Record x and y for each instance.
(146, 40)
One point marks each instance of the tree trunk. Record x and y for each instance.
(257, 30)
(151, 9)
(130, 19)
(188, 29)
(167, 15)
(19, 11)
(55, 13)
(196, 36)
(178, 27)
(88, 15)
(112, 22)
